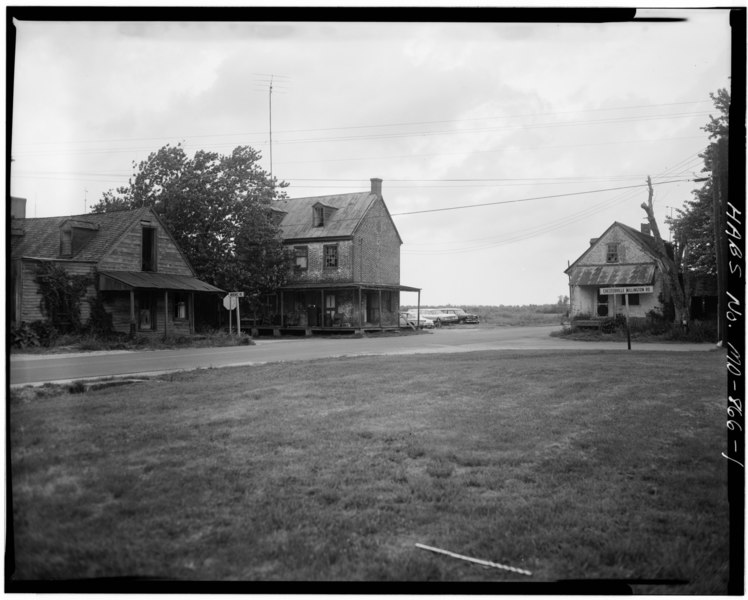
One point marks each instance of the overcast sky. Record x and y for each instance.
(448, 115)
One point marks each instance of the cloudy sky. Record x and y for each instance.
(553, 128)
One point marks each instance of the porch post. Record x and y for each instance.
(323, 309)
(380, 309)
(360, 316)
(191, 308)
(133, 322)
(282, 317)
(166, 313)
(418, 310)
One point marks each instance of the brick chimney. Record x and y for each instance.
(646, 229)
(376, 186)
(17, 207)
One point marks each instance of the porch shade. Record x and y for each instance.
(613, 275)
(144, 280)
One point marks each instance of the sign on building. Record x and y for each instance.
(630, 289)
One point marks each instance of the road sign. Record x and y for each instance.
(230, 302)
(236, 294)
(631, 289)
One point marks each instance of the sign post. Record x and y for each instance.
(625, 291)
(231, 302)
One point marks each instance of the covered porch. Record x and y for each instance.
(586, 282)
(147, 303)
(330, 308)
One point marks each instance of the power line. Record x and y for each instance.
(345, 127)
(428, 210)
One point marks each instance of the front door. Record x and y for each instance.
(330, 309)
(146, 312)
(602, 305)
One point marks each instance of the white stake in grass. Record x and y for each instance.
(479, 561)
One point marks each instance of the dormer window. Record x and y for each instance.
(74, 235)
(611, 255)
(319, 216)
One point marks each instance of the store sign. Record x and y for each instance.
(632, 289)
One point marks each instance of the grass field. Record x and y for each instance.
(574, 465)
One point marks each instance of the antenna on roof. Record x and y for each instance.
(85, 200)
(270, 112)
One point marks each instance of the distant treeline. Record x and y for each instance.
(529, 314)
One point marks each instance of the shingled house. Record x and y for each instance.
(346, 268)
(621, 256)
(134, 264)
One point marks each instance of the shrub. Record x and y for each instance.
(100, 321)
(45, 331)
(61, 295)
(23, 337)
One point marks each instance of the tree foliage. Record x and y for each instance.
(693, 226)
(218, 208)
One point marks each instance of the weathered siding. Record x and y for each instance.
(377, 248)
(628, 250)
(30, 297)
(118, 305)
(584, 300)
(127, 253)
(316, 272)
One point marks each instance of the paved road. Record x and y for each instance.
(35, 369)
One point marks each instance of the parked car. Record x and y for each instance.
(462, 315)
(438, 317)
(407, 319)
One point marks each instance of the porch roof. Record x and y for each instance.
(355, 286)
(638, 274)
(144, 280)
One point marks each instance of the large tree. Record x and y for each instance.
(218, 208)
(693, 226)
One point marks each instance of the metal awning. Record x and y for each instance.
(144, 280)
(642, 274)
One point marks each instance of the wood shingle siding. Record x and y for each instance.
(110, 242)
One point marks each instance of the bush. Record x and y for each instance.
(99, 321)
(45, 332)
(23, 337)
(697, 332)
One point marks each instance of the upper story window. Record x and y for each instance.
(331, 257)
(611, 255)
(301, 257)
(319, 216)
(149, 249)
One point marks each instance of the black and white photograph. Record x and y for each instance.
(427, 300)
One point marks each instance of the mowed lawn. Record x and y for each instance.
(572, 465)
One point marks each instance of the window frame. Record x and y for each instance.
(318, 216)
(150, 264)
(612, 254)
(183, 299)
(297, 255)
(333, 249)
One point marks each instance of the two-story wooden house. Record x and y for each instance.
(135, 267)
(346, 269)
(620, 257)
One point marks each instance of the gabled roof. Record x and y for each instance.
(647, 242)
(41, 238)
(350, 209)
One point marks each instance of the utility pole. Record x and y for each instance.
(719, 195)
(85, 200)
